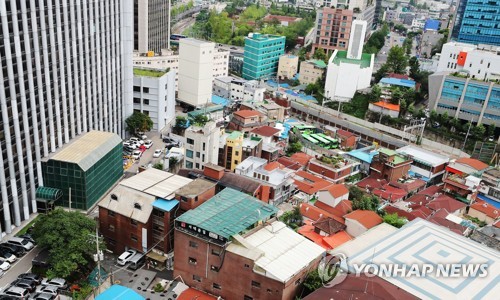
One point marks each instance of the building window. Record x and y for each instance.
(236, 153)
(146, 101)
(196, 278)
(215, 252)
(111, 228)
(197, 165)
(111, 213)
(297, 282)
(133, 238)
(193, 244)
(214, 268)
(189, 164)
(236, 162)
(133, 222)
(198, 154)
(190, 141)
(137, 88)
(269, 291)
(189, 153)
(256, 284)
(145, 89)
(192, 261)
(247, 266)
(203, 146)
(137, 100)
(246, 297)
(216, 286)
(184, 199)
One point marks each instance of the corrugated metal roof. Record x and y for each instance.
(88, 149)
(228, 213)
(146, 179)
(284, 253)
(116, 292)
(165, 189)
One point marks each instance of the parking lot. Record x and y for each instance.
(147, 158)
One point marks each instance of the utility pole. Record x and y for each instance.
(70, 199)
(98, 257)
(467, 135)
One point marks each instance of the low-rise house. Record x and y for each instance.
(347, 139)
(235, 148)
(325, 232)
(487, 235)
(270, 151)
(313, 213)
(308, 185)
(336, 168)
(235, 89)
(247, 120)
(268, 134)
(489, 189)
(390, 165)
(195, 193)
(202, 145)
(287, 65)
(427, 165)
(311, 71)
(364, 156)
(385, 108)
(484, 211)
(334, 199)
(459, 178)
(359, 221)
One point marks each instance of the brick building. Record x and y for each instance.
(195, 193)
(234, 233)
(336, 168)
(390, 165)
(247, 120)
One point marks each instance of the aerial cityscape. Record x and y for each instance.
(247, 149)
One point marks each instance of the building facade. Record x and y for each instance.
(154, 95)
(195, 71)
(336, 169)
(57, 82)
(288, 66)
(202, 145)
(235, 89)
(237, 148)
(311, 71)
(465, 98)
(477, 21)
(150, 25)
(262, 53)
(333, 29)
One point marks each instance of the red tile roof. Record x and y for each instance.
(288, 19)
(273, 165)
(314, 213)
(301, 158)
(431, 190)
(446, 202)
(328, 225)
(439, 218)
(367, 218)
(337, 239)
(473, 163)
(288, 163)
(191, 293)
(398, 76)
(311, 185)
(389, 106)
(371, 183)
(390, 193)
(337, 190)
(265, 131)
(401, 213)
(345, 133)
(409, 186)
(308, 232)
(486, 209)
(340, 210)
(247, 113)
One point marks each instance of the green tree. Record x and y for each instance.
(381, 72)
(396, 95)
(375, 93)
(355, 193)
(200, 120)
(397, 61)
(158, 165)
(292, 218)
(319, 54)
(138, 122)
(434, 116)
(478, 131)
(414, 68)
(394, 220)
(455, 125)
(293, 148)
(367, 202)
(181, 122)
(312, 282)
(70, 239)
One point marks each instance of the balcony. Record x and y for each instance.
(457, 181)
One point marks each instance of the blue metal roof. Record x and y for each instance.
(488, 200)
(219, 100)
(363, 155)
(432, 24)
(118, 292)
(165, 205)
(399, 82)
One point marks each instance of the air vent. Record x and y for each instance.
(114, 197)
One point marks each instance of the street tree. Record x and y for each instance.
(138, 122)
(70, 240)
(375, 93)
(397, 61)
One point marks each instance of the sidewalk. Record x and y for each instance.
(15, 230)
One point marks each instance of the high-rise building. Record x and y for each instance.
(476, 22)
(64, 70)
(262, 53)
(333, 28)
(196, 59)
(150, 25)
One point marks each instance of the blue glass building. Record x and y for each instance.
(465, 99)
(478, 22)
(262, 53)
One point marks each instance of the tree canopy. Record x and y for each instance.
(70, 240)
(367, 202)
(138, 122)
(397, 61)
(394, 220)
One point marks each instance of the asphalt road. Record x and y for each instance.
(22, 265)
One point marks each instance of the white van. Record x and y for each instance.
(137, 261)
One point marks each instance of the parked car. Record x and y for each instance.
(43, 296)
(6, 255)
(41, 260)
(137, 140)
(129, 144)
(175, 152)
(17, 251)
(50, 289)
(25, 284)
(57, 282)
(17, 292)
(30, 276)
(28, 237)
(136, 154)
(148, 144)
(125, 257)
(157, 153)
(4, 265)
(20, 242)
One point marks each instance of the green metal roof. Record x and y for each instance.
(364, 62)
(235, 135)
(48, 193)
(228, 213)
(319, 63)
(204, 111)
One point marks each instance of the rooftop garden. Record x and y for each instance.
(149, 73)
(335, 161)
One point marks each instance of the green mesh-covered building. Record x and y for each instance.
(89, 165)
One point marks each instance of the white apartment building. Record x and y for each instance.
(195, 71)
(481, 62)
(235, 89)
(169, 59)
(154, 95)
(418, 23)
(288, 66)
(202, 145)
(351, 70)
(62, 73)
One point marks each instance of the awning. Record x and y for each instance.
(462, 199)
(157, 257)
(47, 194)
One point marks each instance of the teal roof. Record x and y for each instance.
(206, 110)
(165, 205)
(234, 135)
(318, 63)
(341, 57)
(117, 292)
(228, 213)
(48, 193)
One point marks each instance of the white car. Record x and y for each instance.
(157, 153)
(176, 152)
(57, 282)
(125, 257)
(130, 144)
(19, 242)
(148, 144)
(136, 154)
(50, 289)
(10, 259)
(4, 266)
(137, 140)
